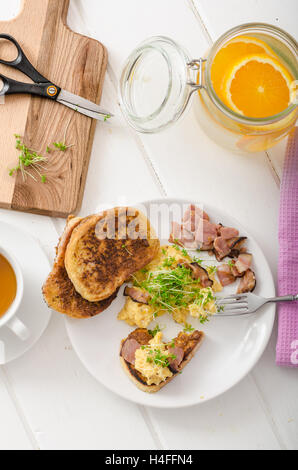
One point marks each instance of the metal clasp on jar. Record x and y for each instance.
(197, 65)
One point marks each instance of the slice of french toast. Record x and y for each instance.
(105, 249)
(58, 290)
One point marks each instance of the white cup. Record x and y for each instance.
(9, 319)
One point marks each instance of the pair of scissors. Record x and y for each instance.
(43, 87)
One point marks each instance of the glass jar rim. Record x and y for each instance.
(233, 32)
(155, 43)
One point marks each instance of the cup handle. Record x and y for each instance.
(18, 328)
(2, 353)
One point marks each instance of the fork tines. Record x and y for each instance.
(233, 304)
(230, 299)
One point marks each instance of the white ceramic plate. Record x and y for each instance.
(231, 348)
(33, 310)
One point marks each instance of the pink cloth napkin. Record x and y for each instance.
(287, 343)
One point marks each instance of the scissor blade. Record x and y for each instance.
(83, 106)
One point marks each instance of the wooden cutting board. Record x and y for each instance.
(73, 62)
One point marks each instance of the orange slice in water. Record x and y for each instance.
(257, 86)
(231, 53)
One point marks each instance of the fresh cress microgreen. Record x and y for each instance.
(29, 159)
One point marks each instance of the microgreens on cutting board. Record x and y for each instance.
(31, 159)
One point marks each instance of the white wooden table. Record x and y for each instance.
(47, 399)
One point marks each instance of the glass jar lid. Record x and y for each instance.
(155, 84)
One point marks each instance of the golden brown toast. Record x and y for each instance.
(98, 261)
(190, 343)
(59, 292)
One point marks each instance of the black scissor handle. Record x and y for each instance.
(22, 63)
(42, 86)
(45, 90)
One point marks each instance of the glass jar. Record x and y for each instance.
(159, 78)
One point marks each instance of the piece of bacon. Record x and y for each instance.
(137, 295)
(206, 247)
(228, 232)
(192, 216)
(206, 232)
(234, 270)
(128, 350)
(243, 262)
(175, 363)
(176, 232)
(202, 274)
(236, 245)
(223, 247)
(247, 282)
(225, 275)
(198, 272)
(182, 236)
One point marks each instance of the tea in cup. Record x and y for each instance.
(11, 294)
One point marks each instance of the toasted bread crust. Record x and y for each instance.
(59, 292)
(141, 335)
(189, 343)
(98, 266)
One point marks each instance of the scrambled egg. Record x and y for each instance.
(144, 361)
(141, 315)
(134, 313)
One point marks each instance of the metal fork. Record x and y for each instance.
(244, 304)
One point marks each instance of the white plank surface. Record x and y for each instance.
(13, 434)
(233, 421)
(219, 16)
(48, 398)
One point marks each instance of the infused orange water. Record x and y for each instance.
(247, 101)
(251, 79)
